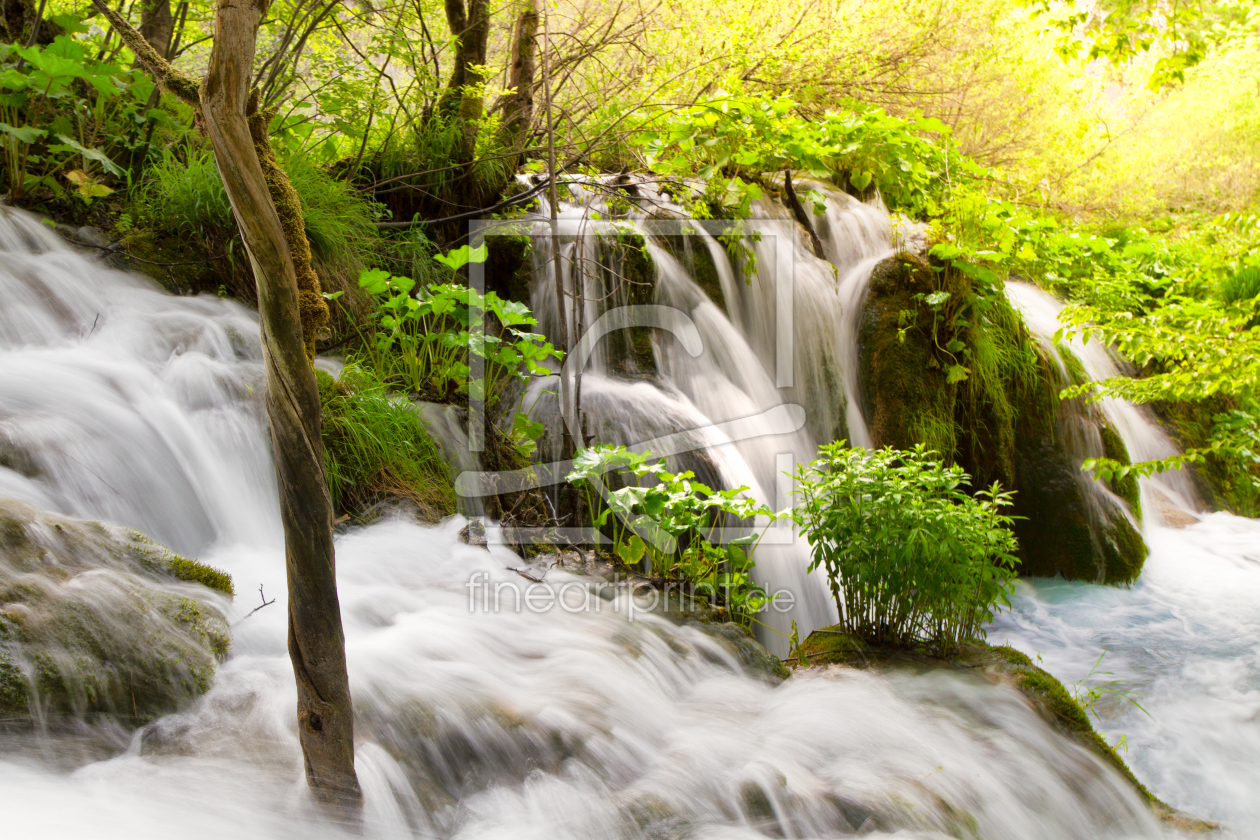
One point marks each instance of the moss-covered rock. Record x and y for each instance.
(1000, 665)
(1126, 487)
(1001, 422)
(95, 619)
(627, 277)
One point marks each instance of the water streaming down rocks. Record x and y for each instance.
(473, 722)
(782, 336)
(1168, 495)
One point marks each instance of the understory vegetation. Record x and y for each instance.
(677, 528)
(1020, 141)
(911, 556)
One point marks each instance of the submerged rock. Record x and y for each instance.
(96, 619)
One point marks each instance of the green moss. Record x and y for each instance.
(628, 277)
(906, 396)
(13, 687)
(162, 559)
(1127, 487)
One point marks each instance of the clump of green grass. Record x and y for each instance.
(1241, 286)
(377, 446)
(182, 194)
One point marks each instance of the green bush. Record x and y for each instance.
(910, 556)
(377, 446)
(672, 524)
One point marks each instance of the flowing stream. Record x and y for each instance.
(589, 718)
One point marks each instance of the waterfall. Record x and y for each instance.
(784, 334)
(1168, 493)
(477, 719)
(127, 403)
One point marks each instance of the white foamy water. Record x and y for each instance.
(1184, 641)
(471, 723)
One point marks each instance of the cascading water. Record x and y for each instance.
(1181, 640)
(782, 335)
(581, 720)
(1142, 436)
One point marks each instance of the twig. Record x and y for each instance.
(265, 603)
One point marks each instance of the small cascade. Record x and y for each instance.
(125, 403)
(782, 336)
(1143, 438)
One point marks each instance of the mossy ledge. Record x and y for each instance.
(162, 559)
(98, 620)
(1000, 665)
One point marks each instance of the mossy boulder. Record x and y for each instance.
(95, 619)
(1000, 665)
(1001, 421)
(626, 276)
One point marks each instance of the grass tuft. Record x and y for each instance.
(377, 446)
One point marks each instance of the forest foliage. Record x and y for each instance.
(1109, 151)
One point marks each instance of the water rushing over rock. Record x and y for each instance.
(782, 335)
(126, 403)
(578, 720)
(1143, 438)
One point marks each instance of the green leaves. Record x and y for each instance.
(23, 134)
(742, 140)
(426, 337)
(910, 555)
(462, 256)
(673, 524)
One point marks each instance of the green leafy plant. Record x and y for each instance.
(910, 556)
(672, 524)
(426, 336)
(63, 111)
(736, 142)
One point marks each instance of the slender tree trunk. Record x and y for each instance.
(291, 313)
(798, 210)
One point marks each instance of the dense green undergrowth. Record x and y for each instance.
(377, 447)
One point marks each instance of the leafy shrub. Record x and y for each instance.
(64, 111)
(672, 523)
(910, 556)
(425, 335)
(376, 445)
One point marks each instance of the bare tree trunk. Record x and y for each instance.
(518, 110)
(291, 312)
(157, 25)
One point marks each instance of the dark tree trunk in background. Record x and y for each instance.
(157, 25)
(21, 22)
(291, 313)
